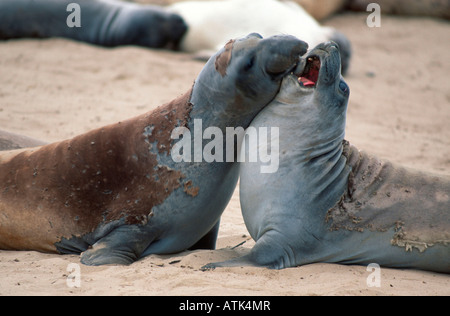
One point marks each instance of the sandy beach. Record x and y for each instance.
(399, 109)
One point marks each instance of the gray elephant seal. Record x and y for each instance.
(329, 202)
(116, 193)
(102, 22)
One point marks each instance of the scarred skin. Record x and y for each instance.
(115, 194)
(330, 202)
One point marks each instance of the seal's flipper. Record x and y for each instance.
(209, 240)
(267, 253)
(244, 261)
(123, 246)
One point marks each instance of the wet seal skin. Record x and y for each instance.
(330, 202)
(102, 22)
(115, 194)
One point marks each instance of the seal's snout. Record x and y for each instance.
(284, 53)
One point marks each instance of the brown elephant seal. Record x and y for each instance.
(328, 201)
(101, 22)
(117, 194)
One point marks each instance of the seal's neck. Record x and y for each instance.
(215, 106)
(219, 103)
(325, 169)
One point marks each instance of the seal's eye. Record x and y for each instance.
(344, 88)
(249, 63)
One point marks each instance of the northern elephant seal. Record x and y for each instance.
(329, 202)
(117, 193)
(102, 22)
(211, 23)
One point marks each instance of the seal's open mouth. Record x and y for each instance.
(310, 75)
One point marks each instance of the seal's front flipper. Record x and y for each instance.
(122, 246)
(244, 261)
(269, 252)
(209, 240)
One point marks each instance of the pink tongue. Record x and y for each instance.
(306, 82)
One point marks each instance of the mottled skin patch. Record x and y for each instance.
(190, 189)
(382, 196)
(223, 59)
(97, 177)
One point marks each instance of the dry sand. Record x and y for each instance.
(399, 109)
